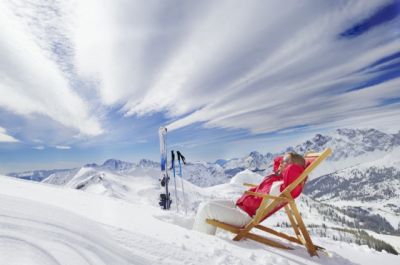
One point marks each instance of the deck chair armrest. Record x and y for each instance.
(249, 185)
(266, 196)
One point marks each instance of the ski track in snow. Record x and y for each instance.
(10, 246)
(46, 235)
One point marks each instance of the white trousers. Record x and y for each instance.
(221, 210)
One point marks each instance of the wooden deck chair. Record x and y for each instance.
(271, 204)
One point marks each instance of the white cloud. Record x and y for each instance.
(107, 50)
(62, 147)
(4, 137)
(301, 84)
(32, 82)
(261, 66)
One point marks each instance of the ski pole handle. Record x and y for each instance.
(173, 159)
(180, 156)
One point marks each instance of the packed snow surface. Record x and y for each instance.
(45, 224)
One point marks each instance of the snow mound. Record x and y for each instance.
(246, 176)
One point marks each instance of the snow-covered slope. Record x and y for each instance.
(46, 225)
(205, 174)
(60, 177)
(136, 184)
(365, 190)
(40, 175)
(34, 232)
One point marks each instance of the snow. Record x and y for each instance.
(246, 176)
(375, 207)
(362, 254)
(393, 240)
(46, 224)
(36, 233)
(374, 158)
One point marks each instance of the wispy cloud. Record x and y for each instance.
(32, 81)
(62, 147)
(4, 137)
(40, 147)
(259, 66)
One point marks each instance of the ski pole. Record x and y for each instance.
(180, 156)
(173, 170)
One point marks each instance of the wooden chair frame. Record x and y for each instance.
(269, 203)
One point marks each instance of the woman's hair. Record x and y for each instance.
(295, 158)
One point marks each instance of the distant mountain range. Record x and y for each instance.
(38, 175)
(351, 146)
(346, 143)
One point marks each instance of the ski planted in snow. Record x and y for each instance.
(165, 200)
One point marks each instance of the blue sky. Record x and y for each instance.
(82, 82)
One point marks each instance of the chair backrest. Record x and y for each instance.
(309, 161)
(312, 161)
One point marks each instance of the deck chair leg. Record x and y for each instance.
(312, 250)
(266, 241)
(243, 232)
(279, 234)
(292, 222)
(251, 236)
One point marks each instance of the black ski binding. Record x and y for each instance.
(164, 181)
(165, 202)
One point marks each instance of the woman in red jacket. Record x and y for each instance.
(240, 213)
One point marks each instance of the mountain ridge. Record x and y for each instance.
(347, 144)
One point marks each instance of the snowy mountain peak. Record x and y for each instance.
(347, 132)
(91, 165)
(320, 139)
(255, 154)
(255, 161)
(369, 138)
(115, 164)
(221, 162)
(350, 142)
(147, 163)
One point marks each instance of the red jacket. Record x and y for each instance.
(250, 203)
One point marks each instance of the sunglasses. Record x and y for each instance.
(286, 160)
